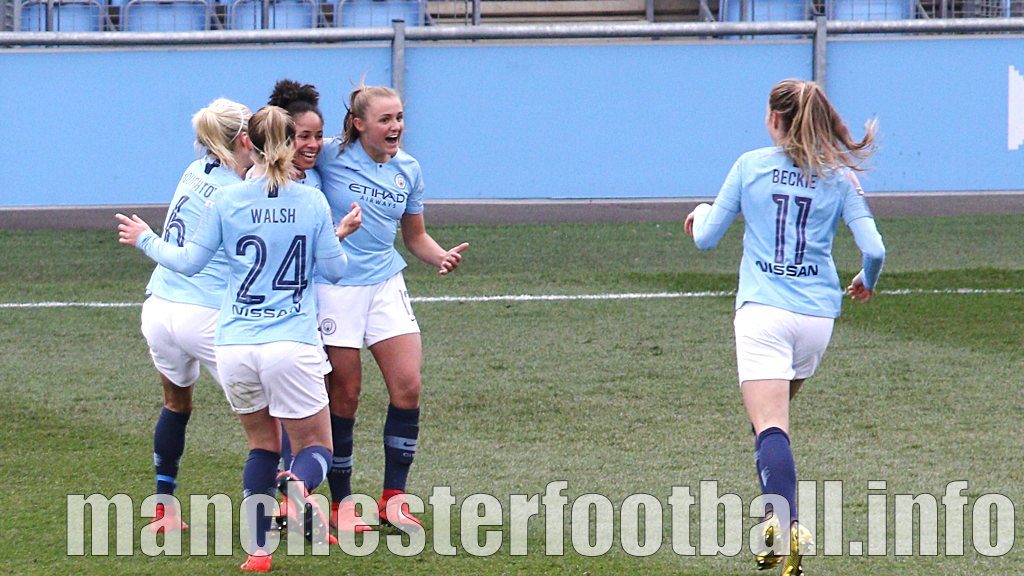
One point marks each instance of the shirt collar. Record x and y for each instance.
(356, 157)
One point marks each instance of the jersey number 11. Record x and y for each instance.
(803, 205)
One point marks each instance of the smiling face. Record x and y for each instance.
(309, 139)
(380, 129)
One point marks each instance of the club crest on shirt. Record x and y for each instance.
(400, 181)
(328, 326)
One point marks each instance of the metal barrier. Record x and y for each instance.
(399, 34)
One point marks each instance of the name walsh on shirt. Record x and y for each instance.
(273, 215)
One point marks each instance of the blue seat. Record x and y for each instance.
(870, 9)
(282, 14)
(378, 13)
(770, 11)
(164, 15)
(68, 16)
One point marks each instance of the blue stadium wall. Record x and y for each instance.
(604, 120)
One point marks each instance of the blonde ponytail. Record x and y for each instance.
(218, 126)
(814, 135)
(272, 131)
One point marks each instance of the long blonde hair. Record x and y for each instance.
(814, 135)
(358, 102)
(272, 131)
(218, 126)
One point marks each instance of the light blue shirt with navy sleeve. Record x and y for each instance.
(272, 241)
(385, 191)
(790, 221)
(198, 184)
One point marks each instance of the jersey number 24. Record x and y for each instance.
(291, 273)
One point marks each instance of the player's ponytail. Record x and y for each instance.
(814, 135)
(218, 127)
(272, 131)
(358, 102)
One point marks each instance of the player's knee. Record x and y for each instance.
(179, 400)
(406, 394)
(346, 393)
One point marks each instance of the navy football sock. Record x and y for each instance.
(286, 450)
(168, 446)
(776, 466)
(340, 476)
(258, 478)
(310, 465)
(757, 460)
(401, 430)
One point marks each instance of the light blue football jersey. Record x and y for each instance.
(790, 220)
(272, 242)
(385, 192)
(311, 178)
(198, 184)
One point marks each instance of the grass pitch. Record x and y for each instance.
(614, 397)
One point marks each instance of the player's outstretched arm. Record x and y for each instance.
(424, 247)
(187, 260)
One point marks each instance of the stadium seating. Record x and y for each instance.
(870, 9)
(282, 14)
(68, 16)
(768, 10)
(378, 13)
(163, 15)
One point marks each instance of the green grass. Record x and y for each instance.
(614, 397)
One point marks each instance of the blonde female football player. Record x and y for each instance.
(301, 101)
(269, 354)
(179, 316)
(370, 305)
(791, 196)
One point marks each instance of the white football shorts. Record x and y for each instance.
(776, 344)
(357, 316)
(180, 338)
(286, 377)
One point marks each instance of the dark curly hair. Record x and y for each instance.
(296, 98)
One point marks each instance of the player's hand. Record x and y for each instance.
(688, 224)
(351, 222)
(857, 291)
(129, 229)
(452, 259)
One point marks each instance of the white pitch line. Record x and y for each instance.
(564, 297)
(70, 304)
(552, 297)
